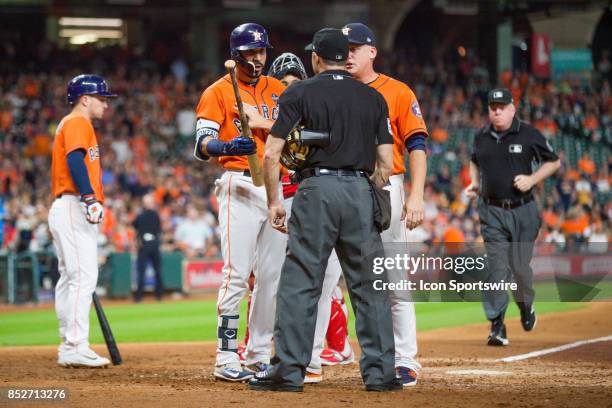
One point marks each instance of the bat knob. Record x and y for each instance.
(230, 64)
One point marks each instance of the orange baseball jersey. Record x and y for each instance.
(404, 113)
(75, 132)
(216, 111)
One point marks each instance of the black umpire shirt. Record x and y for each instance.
(503, 156)
(355, 114)
(148, 227)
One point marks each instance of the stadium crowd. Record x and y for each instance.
(147, 142)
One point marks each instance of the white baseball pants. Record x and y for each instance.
(75, 241)
(248, 243)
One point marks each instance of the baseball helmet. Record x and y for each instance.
(87, 84)
(248, 36)
(287, 63)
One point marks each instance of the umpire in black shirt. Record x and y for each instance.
(503, 156)
(148, 230)
(333, 208)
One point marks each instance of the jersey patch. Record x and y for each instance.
(516, 148)
(389, 126)
(94, 153)
(416, 109)
(274, 97)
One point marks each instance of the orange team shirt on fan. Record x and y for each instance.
(216, 110)
(75, 132)
(405, 115)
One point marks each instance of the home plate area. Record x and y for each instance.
(460, 370)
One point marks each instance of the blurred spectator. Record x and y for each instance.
(586, 165)
(193, 233)
(147, 143)
(598, 239)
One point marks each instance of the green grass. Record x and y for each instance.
(196, 321)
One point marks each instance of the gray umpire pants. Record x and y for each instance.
(331, 212)
(509, 235)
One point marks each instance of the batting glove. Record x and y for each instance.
(93, 209)
(240, 146)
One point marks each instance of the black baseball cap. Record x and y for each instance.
(330, 44)
(359, 33)
(500, 95)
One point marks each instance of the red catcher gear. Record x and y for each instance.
(337, 331)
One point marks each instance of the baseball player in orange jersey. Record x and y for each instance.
(74, 216)
(249, 243)
(409, 132)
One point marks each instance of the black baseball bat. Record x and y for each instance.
(113, 350)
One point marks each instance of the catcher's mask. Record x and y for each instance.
(294, 152)
(299, 146)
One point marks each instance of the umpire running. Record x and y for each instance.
(333, 208)
(501, 171)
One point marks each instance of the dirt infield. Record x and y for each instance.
(180, 374)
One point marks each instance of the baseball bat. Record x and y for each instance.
(113, 350)
(254, 164)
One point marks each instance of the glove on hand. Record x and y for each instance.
(240, 146)
(93, 208)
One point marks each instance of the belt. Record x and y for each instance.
(245, 173)
(66, 194)
(320, 171)
(508, 203)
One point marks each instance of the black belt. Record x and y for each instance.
(246, 173)
(508, 203)
(320, 171)
(66, 194)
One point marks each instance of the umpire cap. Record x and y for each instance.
(87, 84)
(500, 95)
(331, 44)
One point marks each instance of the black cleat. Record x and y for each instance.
(394, 385)
(498, 336)
(528, 317)
(263, 382)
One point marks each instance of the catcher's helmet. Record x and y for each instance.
(87, 84)
(287, 63)
(294, 153)
(248, 36)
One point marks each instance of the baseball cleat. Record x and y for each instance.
(331, 357)
(312, 378)
(264, 382)
(407, 375)
(256, 367)
(85, 358)
(394, 385)
(313, 375)
(232, 372)
(528, 318)
(498, 336)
